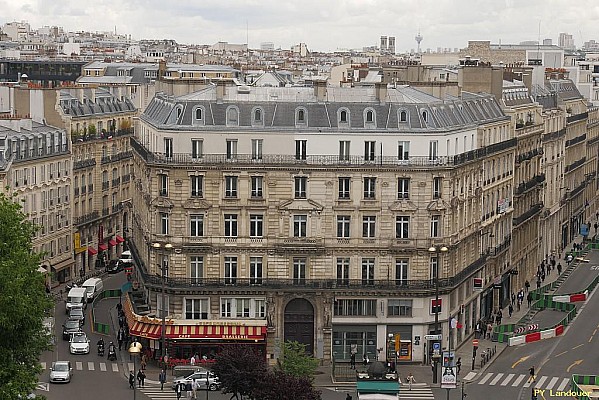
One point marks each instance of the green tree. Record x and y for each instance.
(23, 304)
(91, 130)
(241, 369)
(282, 386)
(296, 362)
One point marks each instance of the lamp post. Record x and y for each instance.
(435, 250)
(134, 351)
(164, 270)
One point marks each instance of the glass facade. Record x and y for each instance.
(363, 338)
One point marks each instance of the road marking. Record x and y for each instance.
(518, 380)
(563, 385)
(43, 365)
(115, 367)
(560, 354)
(42, 386)
(486, 378)
(591, 338)
(582, 344)
(573, 364)
(131, 366)
(496, 379)
(79, 365)
(507, 380)
(470, 375)
(519, 361)
(90, 365)
(540, 381)
(552, 383)
(103, 367)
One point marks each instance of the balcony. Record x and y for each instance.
(529, 155)
(500, 248)
(90, 187)
(484, 151)
(534, 210)
(117, 207)
(105, 185)
(578, 117)
(126, 178)
(87, 218)
(105, 160)
(528, 128)
(84, 164)
(575, 164)
(526, 186)
(116, 182)
(105, 211)
(576, 140)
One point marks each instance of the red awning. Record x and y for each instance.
(143, 329)
(112, 242)
(103, 247)
(119, 239)
(92, 251)
(222, 332)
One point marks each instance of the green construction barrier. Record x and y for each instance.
(582, 380)
(99, 327)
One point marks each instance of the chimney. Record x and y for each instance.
(380, 90)
(161, 68)
(221, 90)
(320, 90)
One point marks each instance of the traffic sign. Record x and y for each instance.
(475, 343)
(449, 378)
(437, 346)
(433, 337)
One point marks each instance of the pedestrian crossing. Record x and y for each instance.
(92, 366)
(417, 393)
(556, 383)
(153, 392)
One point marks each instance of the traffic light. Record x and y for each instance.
(446, 361)
(436, 306)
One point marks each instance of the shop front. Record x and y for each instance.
(359, 339)
(399, 344)
(486, 303)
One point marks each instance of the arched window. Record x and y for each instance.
(258, 115)
(301, 116)
(369, 116)
(403, 116)
(199, 114)
(232, 116)
(343, 116)
(425, 115)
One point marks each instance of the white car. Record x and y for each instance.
(79, 343)
(61, 371)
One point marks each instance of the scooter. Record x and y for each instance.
(112, 354)
(101, 350)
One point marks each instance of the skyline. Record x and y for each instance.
(341, 24)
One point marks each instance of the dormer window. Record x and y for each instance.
(257, 116)
(232, 116)
(403, 116)
(198, 116)
(425, 116)
(301, 117)
(343, 116)
(369, 118)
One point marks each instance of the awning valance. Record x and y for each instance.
(119, 239)
(92, 251)
(103, 247)
(207, 332)
(112, 242)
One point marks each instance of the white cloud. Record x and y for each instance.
(322, 24)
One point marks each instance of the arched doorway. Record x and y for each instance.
(299, 323)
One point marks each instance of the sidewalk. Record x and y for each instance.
(464, 350)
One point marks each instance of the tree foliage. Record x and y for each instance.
(23, 304)
(295, 361)
(281, 386)
(241, 369)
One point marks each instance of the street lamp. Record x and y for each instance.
(134, 351)
(435, 250)
(164, 270)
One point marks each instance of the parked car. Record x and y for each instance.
(181, 371)
(77, 313)
(61, 371)
(79, 343)
(206, 379)
(93, 286)
(114, 267)
(69, 327)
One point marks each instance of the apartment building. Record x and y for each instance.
(36, 167)
(319, 215)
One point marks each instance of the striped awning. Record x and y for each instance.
(143, 329)
(222, 332)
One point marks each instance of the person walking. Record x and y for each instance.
(195, 385)
(489, 330)
(527, 285)
(559, 268)
(352, 361)
(141, 376)
(410, 379)
(458, 364)
(510, 310)
(531, 376)
(162, 378)
(529, 299)
(120, 337)
(131, 380)
(144, 362)
(348, 397)
(179, 388)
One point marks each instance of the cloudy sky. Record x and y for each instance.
(322, 24)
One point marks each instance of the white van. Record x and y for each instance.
(76, 298)
(93, 287)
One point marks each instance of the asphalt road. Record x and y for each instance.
(555, 360)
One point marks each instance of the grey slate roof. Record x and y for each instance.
(105, 103)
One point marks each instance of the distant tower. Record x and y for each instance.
(391, 47)
(418, 40)
(383, 48)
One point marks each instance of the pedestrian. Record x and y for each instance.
(120, 337)
(543, 277)
(559, 268)
(144, 362)
(195, 385)
(352, 361)
(348, 397)
(527, 285)
(596, 225)
(410, 379)
(513, 298)
(538, 283)
(365, 360)
(131, 380)
(162, 378)
(529, 299)
(531, 377)
(477, 330)
(510, 310)
(569, 258)
(489, 330)
(189, 390)
(192, 360)
(140, 378)
(179, 388)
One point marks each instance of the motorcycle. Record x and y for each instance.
(101, 349)
(112, 354)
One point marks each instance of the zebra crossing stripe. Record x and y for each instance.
(155, 393)
(131, 366)
(486, 378)
(540, 381)
(496, 379)
(103, 367)
(518, 380)
(90, 365)
(552, 383)
(79, 365)
(416, 394)
(563, 385)
(115, 367)
(470, 375)
(507, 380)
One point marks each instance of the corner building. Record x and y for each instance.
(308, 214)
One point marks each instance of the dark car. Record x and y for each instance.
(78, 314)
(70, 326)
(113, 267)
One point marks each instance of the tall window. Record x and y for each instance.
(257, 182)
(231, 225)
(168, 147)
(300, 187)
(257, 115)
(343, 116)
(163, 184)
(231, 186)
(402, 227)
(256, 225)
(299, 271)
(196, 269)
(403, 116)
(257, 148)
(403, 188)
(164, 223)
(399, 308)
(344, 187)
(300, 149)
(197, 146)
(344, 150)
(437, 185)
(300, 225)
(343, 224)
(434, 267)
(369, 150)
(197, 184)
(403, 151)
(196, 225)
(369, 116)
(242, 307)
(342, 271)
(401, 271)
(231, 149)
(435, 225)
(232, 116)
(226, 307)
(199, 115)
(230, 270)
(301, 116)
(369, 187)
(256, 270)
(368, 271)
(196, 308)
(368, 226)
(433, 150)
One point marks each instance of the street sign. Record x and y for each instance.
(437, 346)
(449, 378)
(475, 343)
(433, 337)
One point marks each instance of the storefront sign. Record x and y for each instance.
(477, 283)
(233, 337)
